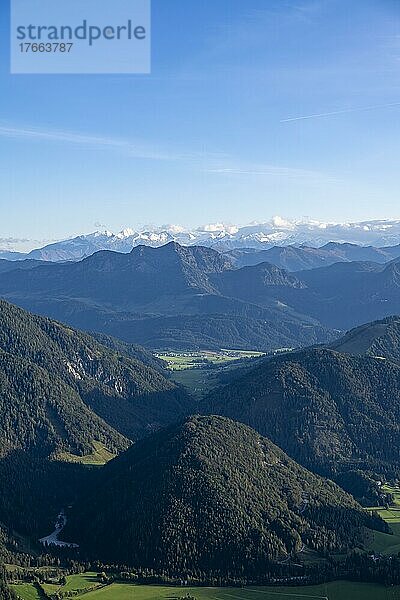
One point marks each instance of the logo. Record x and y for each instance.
(80, 36)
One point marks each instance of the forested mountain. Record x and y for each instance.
(40, 412)
(169, 297)
(61, 388)
(132, 351)
(259, 284)
(380, 339)
(210, 494)
(176, 297)
(331, 412)
(63, 395)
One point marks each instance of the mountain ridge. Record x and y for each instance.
(277, 231)
(182, 296)
(330, 411)
(108, 387)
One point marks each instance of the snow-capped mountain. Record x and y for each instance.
(276, 232)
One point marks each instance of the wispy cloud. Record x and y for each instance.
(267, 170)
(13, 240)
(218, 163)
(129, 148)
(15, 244)
(340, 112)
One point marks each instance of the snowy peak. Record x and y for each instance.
(220, 236)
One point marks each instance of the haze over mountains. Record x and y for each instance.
(182, 489)
(260, 236)
(168, 297)
(294, 258)
(196, 297)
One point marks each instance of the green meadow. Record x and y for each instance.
(199, 371)
(384, 543)
(339, 590)
(178, 361)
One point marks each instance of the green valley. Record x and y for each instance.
(199, 372)
(338, 590)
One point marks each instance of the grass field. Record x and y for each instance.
(339, 590)
(382, 542)
(178, 361)
(74, 582)
(26, 591)
(82, 581)
(190, 368)
(100, 456)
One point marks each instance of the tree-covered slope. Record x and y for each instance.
(211, 494)
(327, 410)
(139, 353)
(39, 411)
(61, 388)
(379, 339)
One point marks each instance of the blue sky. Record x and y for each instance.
(206, 136)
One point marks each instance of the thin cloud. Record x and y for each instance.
(218, 163)
(12, 240)
(15, 244)
(127, 147)
(260, 170)
(340, 112)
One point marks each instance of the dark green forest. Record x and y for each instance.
(180, 498)
(331, 412)
(181, 492)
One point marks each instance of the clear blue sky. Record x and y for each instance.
(204, 137)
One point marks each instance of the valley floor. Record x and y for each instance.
(338, 590)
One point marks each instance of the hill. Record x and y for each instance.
(176, 297)
(380, 339)
(70, 390)
(10, 265)
(331, 412)
(208, 495)
(65, 397)
(169, 297)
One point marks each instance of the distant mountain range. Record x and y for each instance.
(293, 258)
(177, 297)
(169, 297)
(259, 236)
